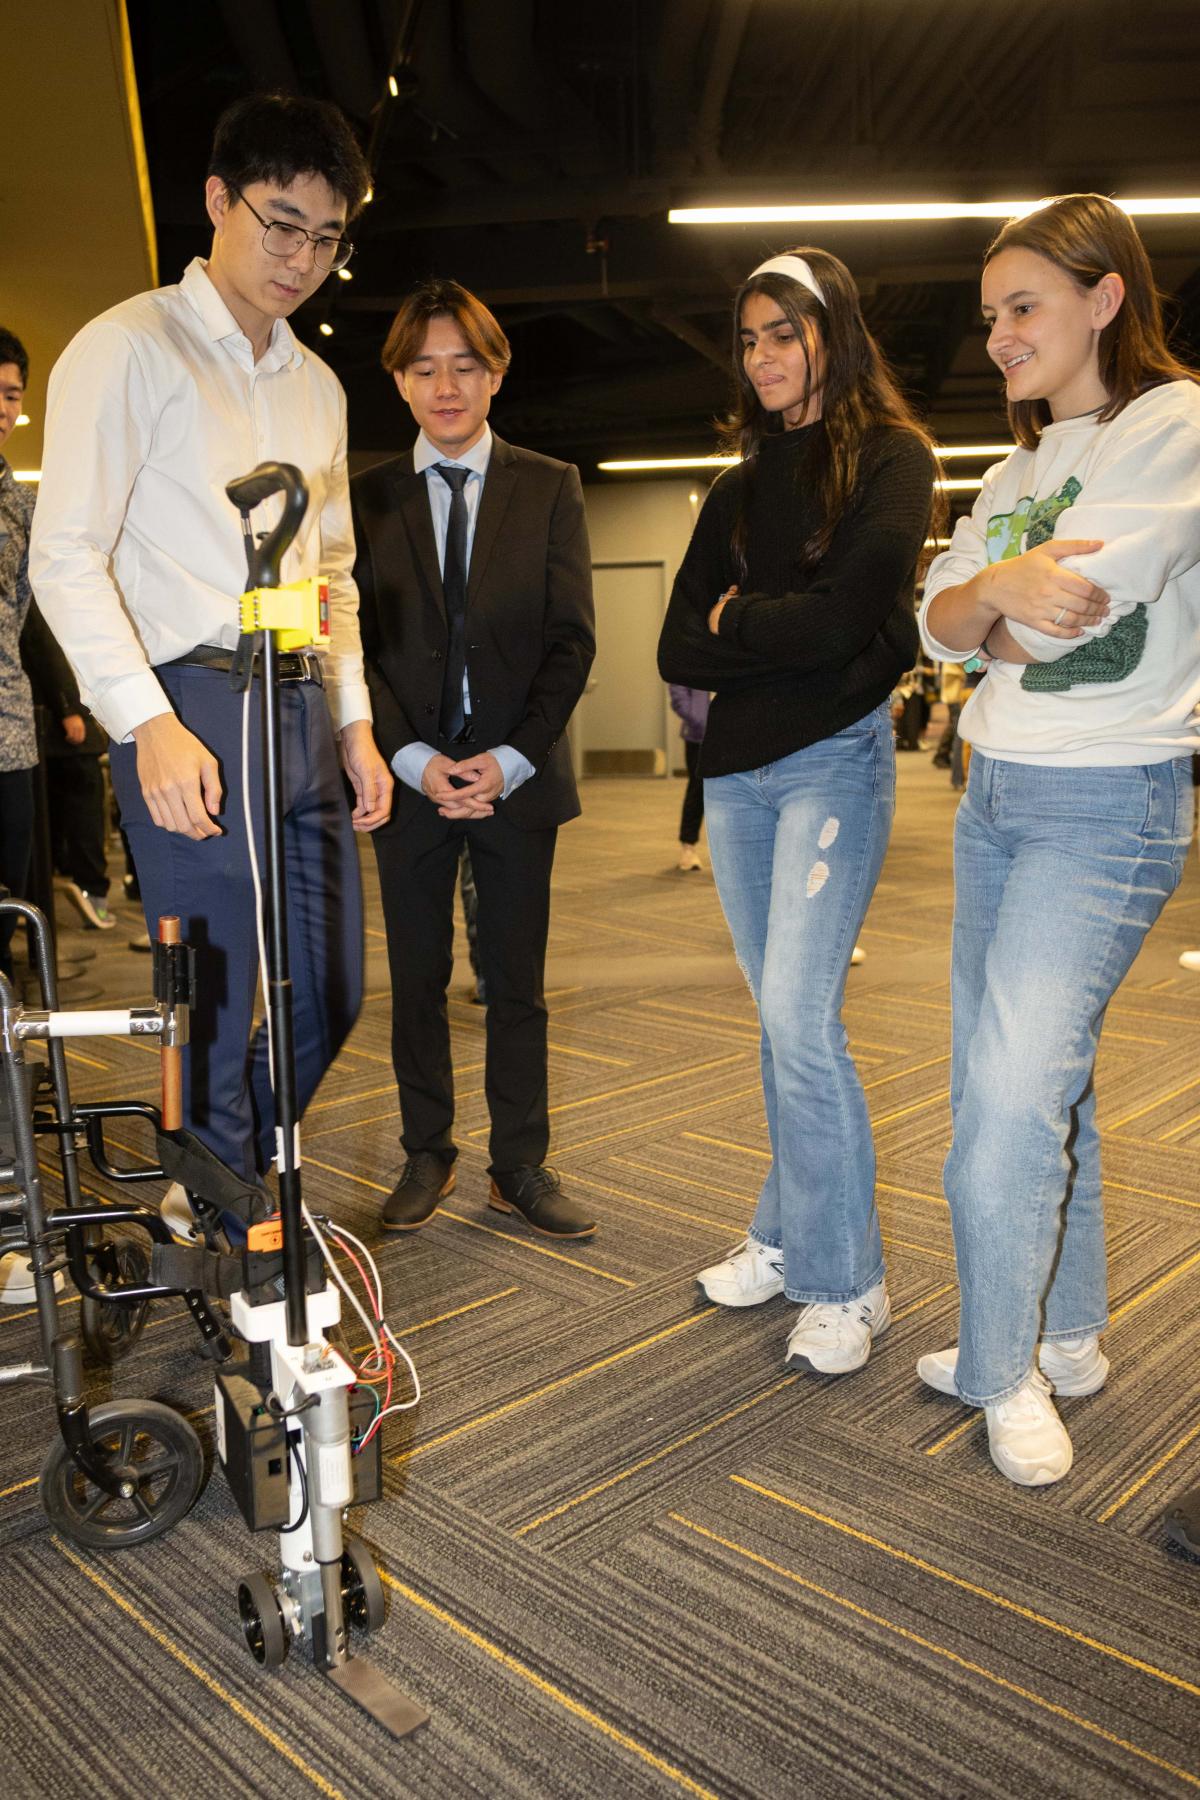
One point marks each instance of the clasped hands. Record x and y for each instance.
(481, 779)
(714, 616)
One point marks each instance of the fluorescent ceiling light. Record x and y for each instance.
(27, 474)
(910, 210)
(945, 451)
(630, 465)
(669, 462)
(963, 482)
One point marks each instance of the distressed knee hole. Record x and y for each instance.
(818, 875)
(829, 831)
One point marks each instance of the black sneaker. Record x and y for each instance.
(426, 1178)
(537, 1195)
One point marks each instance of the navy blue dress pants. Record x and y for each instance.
(227, 1092)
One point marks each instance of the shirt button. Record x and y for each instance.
(435, 656)
(429, 712)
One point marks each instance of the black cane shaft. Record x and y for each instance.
(279, 1004)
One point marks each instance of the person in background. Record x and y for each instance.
(691, 706)
(137, 561)
(18, 741)
(1078, 575)
(795, 604)
(71, 749)
(951, 690)
(478, 631)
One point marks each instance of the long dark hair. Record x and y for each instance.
(859, 391)
(1088, 237)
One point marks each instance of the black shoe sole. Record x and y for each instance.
(419, 1224)
(499, 1204)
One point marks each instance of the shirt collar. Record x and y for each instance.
(476, 458)
(199, 290)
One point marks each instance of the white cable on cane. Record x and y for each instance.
(373, 1331)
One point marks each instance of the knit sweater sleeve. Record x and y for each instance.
(873, 551)
(689, 654)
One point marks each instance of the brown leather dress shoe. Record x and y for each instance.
(425, 1179)
(537, 1195)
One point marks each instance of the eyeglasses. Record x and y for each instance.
(285, 240)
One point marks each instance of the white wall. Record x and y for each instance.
(644, 521)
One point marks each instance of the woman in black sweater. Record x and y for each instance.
(795, 605)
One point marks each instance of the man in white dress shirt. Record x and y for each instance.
(138, 562)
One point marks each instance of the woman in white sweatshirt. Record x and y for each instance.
(1077, 580)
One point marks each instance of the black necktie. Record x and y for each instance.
(452, 722)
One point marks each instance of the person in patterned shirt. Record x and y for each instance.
(18, 743)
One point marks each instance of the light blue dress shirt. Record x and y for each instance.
(410, 763)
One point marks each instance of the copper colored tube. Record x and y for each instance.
(172, 1056)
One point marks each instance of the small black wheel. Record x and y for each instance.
(362, 1590)
(110, 1328)
(157, 1452)
(262, 1621)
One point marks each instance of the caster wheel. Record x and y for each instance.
(110, 1328)
(362, 1590)
(159, 1454)
(262, 1621)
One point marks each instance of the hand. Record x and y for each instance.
(368, 775)
(180, 777)
(483, 782)
(1036, 591)
(74, 729)
(714, 617)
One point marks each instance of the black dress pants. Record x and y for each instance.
(692, 816)
(78, 827)
(16, 844)
(418, 864)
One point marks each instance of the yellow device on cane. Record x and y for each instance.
(297, 613)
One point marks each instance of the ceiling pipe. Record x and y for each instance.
(732, 19)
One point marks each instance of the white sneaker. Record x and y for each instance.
(834, 1336)
(750, 1274)
(1026, 1437)
(93, 908)
(1190, 959)
(1073, 1366)
(689, 859)
(176, 1210)
(16, 1280)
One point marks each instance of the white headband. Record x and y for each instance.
(795, 268)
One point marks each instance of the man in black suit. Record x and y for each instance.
(477, 623)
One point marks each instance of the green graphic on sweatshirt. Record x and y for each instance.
(1033, 520)
(1104, 659)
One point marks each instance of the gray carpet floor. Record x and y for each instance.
(626, 1552)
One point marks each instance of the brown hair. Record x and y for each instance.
(859, 391)
(1087, 236)
(435, 299)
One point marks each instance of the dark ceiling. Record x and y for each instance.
(535, 146)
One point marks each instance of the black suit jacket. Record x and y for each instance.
(530, 624)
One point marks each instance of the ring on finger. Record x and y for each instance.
(1059, 616)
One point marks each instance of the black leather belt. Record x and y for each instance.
(292, 665)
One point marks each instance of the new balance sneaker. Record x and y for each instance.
(16, 1280)
(1026, 1437)
(1073, 1366)
(93, 908)
(176, 1211)
(834, 1337)
(750, 1274)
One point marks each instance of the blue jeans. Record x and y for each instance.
(1059, 875)
(796, 851)
(227, 1097)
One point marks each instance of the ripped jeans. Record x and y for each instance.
(796, 851)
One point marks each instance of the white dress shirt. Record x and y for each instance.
(136, 555)
(410, 763)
